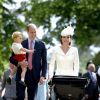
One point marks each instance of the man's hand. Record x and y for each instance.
(42, 80)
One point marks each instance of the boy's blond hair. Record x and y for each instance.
(16, 34)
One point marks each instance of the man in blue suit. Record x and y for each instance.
(35, 73)
(91, 91)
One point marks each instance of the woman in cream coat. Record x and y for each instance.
(65, 57)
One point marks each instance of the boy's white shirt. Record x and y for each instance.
(16, 48)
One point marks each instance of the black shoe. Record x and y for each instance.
(9, 80)
(23, 83)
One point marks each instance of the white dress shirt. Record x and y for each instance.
(33, 43)
(93, 76)
(66, 64)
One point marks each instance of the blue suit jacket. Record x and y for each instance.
(91, 86)
(39, 60)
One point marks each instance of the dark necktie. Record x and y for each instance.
(30, 56)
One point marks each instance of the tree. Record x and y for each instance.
(9, 22)
(96, 60)
(82, 14)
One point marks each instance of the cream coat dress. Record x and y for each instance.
(64, 64)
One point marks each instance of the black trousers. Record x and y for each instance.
(31, 83)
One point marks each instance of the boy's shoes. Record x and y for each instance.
(23, 83)
(9, 80)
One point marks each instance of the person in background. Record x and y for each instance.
(37, 65)
(98, 81)
(65, 57)
(10, 89)
(91, 91)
